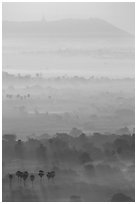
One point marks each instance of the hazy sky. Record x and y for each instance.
(119, 14)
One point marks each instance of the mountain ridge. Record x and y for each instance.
(92, 27)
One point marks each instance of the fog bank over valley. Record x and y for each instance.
(35, 104)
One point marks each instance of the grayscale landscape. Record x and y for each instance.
(68, 103)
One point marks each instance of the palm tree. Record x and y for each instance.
(32, 178)
(18, 175)
(21, 176)
(41, 174)
(25, 176)
(48, 175)
(51, 175)
(10, 179)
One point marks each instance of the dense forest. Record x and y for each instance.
(96, 167)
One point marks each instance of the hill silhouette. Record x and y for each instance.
(92, 27)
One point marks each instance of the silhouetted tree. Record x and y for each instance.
(25, 176)
(41, 174)
(32, 178)
(21, 176)
(10, 179)
(51, 175)
(18, 175)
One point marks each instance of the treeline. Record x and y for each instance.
(66, 148)
(41, 76)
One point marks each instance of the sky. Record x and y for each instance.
(119, 14)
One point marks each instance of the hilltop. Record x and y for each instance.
(92, 27)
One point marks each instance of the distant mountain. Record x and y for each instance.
(92, 27)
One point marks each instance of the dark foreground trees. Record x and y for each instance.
(120, 197)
